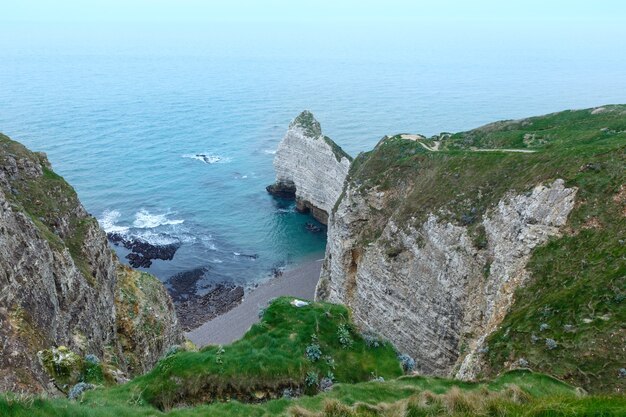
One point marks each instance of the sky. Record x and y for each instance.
(309, 28)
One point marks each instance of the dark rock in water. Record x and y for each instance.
(142, 252)
(278, 269)
(311, 227)
(138, 261)
(183, 285)
(208, 159)
(286, 190)
(193, 309)
(253, 256)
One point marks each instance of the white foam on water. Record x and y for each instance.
(156, 239)
(109, 220)
(145, 220)
(269, 152)
(208, 158)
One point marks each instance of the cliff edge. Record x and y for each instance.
(309, 167)
(492, 249)
(62, 287)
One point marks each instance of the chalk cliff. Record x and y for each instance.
(61, 285)
(462, 251)
(428, 287)
(309, 167)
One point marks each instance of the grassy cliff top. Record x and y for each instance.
(313, 129)
(308, 123)
(271, 357)
(517, 393)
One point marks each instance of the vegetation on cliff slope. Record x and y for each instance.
(577, 296)
(237, 380)
(313, 129)
(289, 349)
(145, 319)
(50, 202)
(59, 315)
(517, 393)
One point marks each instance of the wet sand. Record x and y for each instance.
(299, 282)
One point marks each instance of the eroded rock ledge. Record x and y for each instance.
(310, 168)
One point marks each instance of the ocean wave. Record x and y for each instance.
(109, 220)
(208, 158)
(157, 239)
(145, 220)
(269, 151)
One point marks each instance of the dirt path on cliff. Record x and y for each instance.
(299, 282)
(436, 144)
(435, 148)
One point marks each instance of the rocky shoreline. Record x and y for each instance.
(297, 281)
(193, 309)
(141, 252)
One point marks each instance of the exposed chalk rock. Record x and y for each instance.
(310, 167)
(428, 289)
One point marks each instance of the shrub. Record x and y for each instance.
(372, 340)
(62, 364)
(78, 389)
(92, 359)
(290, 393)
(343, 333)
(407, 362)
(326, 384)
(330, 361)
(551, 344)
(311, 379)
(313, 352)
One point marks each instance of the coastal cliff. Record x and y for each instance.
(309, 167)
(470, 251)
(427, 287)
(61, 286)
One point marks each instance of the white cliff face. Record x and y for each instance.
(429, 289)
(312, 163)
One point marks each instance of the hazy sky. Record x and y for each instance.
(339, 27)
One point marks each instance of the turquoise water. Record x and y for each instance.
(123, 131)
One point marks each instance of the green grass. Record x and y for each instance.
(242, 380)
(313, 129)
(519, 393)
(268, 359)
(307, 121)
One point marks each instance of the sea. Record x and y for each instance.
(127, 132)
